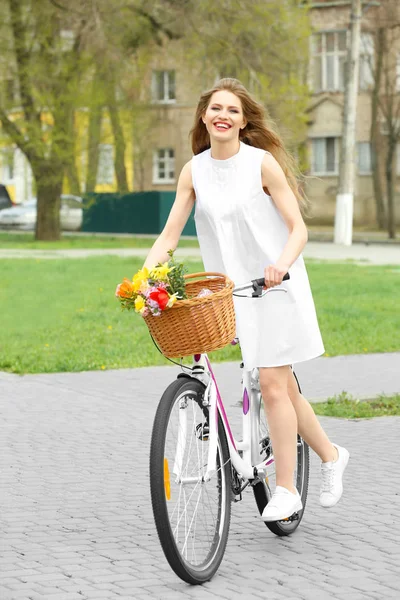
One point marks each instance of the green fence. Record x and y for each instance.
(141, 212)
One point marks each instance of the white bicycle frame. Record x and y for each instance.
(244, 454)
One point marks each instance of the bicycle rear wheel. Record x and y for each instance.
(263, 489)
(192, 516)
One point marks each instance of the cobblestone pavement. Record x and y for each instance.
(76, 519)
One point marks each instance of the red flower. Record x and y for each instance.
(161, 297)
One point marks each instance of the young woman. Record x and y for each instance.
(243, 185)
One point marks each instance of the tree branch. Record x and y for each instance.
(22, 60)
(156, 26)
(65, 8)
(16, 135)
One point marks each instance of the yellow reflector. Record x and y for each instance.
(167, 483)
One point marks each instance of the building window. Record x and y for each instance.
(105, 168)
(364, 158)
(366, 78)
(164, 166)
(163, 86)
(67, 40)
(7, 164)
(328, 51)
(325, 156)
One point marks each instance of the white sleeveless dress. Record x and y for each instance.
(240, 232)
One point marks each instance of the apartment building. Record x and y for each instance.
(328, 47)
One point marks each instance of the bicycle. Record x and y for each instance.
(197, 467)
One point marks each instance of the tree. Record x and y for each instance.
(376, 137)
(47, 69)
(344, 199)
(386, 106)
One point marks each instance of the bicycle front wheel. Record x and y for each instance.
(192, 515)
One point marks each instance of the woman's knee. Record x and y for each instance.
(274, 384)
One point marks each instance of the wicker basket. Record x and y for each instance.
(196, 325)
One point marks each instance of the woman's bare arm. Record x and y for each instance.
(178, 216)
(273, 178)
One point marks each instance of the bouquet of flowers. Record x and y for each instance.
(153, 291)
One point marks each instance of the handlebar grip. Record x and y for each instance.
(261, 281)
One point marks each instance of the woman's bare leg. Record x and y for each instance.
(308, 425)
(282, 422)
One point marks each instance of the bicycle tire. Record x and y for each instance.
(262, 494)
(194, 571)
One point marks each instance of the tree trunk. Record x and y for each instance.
(392, 141)
(73, 178)
(343, 232)
(119, 140)
(49, 179)
(70, 169)
(94, 132)
(375, 146)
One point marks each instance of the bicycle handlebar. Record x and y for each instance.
(257, 285)
(262, 279)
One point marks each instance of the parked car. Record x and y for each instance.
(23, 216)
(5, 200)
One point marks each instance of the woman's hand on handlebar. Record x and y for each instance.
(273, 275)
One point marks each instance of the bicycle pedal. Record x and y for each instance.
(293, 517)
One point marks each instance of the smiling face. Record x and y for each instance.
(224, 117)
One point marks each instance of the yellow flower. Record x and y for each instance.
(140, 278)
(109, 327)
(172, 300)
(139, 304)
(161, 272)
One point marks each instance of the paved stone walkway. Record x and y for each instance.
(379, 254)
(76, 520)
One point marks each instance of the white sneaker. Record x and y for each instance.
(332, 472)
(282, 505)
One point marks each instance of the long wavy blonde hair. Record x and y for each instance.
(259, 132)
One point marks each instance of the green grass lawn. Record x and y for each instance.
(26, 241)
(346, 407)
(61, 315)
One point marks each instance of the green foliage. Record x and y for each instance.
(176, 276)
